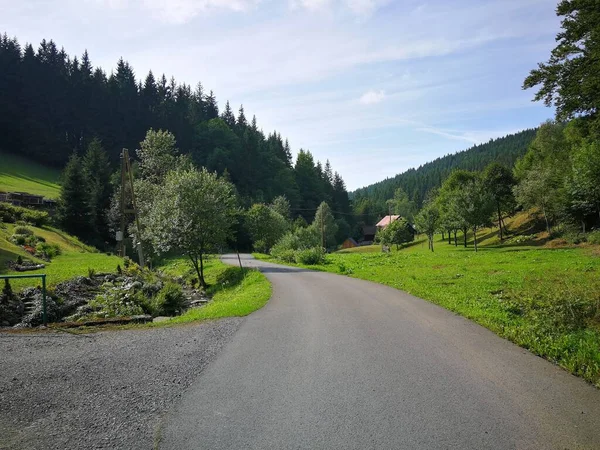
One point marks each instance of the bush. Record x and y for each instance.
(310, 256)
(594, 237)
(117, 303)
(18, 239)
(13, 214)
(574, 237)
(48, 250)
(286, 255)
(169, 300)
(23, 231)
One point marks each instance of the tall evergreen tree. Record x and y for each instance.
(97, 172)
(73, 206)
(228, 116)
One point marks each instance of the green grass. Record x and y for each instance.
(234, 294)
(75, 260)
(23, 175)
(546, 300)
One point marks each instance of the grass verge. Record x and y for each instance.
(235, 292)
(546, 300)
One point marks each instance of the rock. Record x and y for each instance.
(161, 319)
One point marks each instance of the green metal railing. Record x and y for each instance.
(43, 277)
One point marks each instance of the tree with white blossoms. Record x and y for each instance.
(192, 212)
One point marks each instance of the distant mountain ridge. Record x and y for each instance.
(417, 182)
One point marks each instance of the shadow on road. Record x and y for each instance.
(282, 269)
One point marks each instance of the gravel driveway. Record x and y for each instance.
(102, 390)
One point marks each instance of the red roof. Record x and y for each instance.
(386, 221)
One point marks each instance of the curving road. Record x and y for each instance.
(338, 363)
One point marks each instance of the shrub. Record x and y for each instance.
(23, 231)
(48, 250)
(117, 303)
(574, 237)
(15, 214)
(594, 237)
(286, 255)
(310, 256)
(18, 239)
(169, 300)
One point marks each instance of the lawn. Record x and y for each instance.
(75, 259)
(235, 292)
(23, 175)
(544, 299)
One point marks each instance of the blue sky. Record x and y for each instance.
(375, 86)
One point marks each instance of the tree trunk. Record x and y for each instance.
(431, 240)
(504, 226)
(449, 237)
(475, 238)
(443, 236)
(546, 219)
(465, 236)
(500, 221)
(199, 269)
(455, 240)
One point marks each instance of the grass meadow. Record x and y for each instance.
(22, 175)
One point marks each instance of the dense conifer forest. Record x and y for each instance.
(371, 200)
(53, 105)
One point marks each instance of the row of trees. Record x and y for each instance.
(559, 175)
(53, 104)
(466, 202)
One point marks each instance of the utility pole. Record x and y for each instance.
(127, 178)
(322, 231)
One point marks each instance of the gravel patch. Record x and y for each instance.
(101, 390)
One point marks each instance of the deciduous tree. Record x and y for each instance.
(193, 213)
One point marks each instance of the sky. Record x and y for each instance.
(375, 86)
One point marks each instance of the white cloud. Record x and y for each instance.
(180, 11)
(364, 7)
(474, 137)
(357, 7)
(372, 97)
(311, 5)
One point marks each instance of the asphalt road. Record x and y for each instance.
(338, 363)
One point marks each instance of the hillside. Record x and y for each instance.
(18, 174)
(417, 182)
(75, 258)
(57, 104)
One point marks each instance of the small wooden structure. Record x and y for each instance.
(22, 198)
(369, 232)
(349, 243)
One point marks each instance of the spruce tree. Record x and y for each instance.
(73, 206)
(96, 169)
(228, 116)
